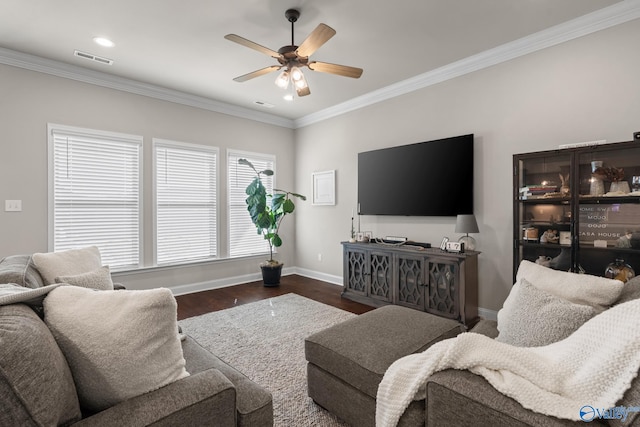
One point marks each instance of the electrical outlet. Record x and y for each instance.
(320, 257)
(13, 205)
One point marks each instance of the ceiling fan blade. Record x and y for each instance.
(257, 73)
(341, 70)
(303, 91)
(251, 45)
(317, 38)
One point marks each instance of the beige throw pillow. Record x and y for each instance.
(97, 279)
(598, 292)
(67, 263)
(532, 317)
(119, 344)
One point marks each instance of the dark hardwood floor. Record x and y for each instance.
(203, 302)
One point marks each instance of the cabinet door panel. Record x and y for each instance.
(411, 282)
(443, 297)
(357, 272)
(381, 276)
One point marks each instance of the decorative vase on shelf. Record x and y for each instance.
(620, 186)
(619, 270)
(596, 181)
(597, 187)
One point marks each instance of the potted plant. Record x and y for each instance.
(267, 212)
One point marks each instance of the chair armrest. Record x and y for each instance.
(205, 399)
(456, 397)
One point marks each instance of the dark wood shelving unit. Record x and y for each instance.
(590, 219)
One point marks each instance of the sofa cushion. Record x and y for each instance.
(19, 269)
(36, 386)
(532, 317)
(67, 263)
(119, 344)
(585, 289)
(97, 279)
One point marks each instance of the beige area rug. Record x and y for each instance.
(265, 341)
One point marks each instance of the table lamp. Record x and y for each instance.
(467, 224)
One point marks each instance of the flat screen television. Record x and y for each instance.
(433, 178)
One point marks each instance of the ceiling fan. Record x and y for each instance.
(293, 57)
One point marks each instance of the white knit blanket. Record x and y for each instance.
(593, 366)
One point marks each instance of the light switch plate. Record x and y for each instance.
(13, 205)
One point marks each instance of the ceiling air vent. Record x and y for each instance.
(92, 57)
(263, 104)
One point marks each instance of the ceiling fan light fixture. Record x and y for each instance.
(282, 81)
(296, 74)
(298, 78)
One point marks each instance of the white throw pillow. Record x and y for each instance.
(532, 317)
(66, 263)
(97, 279)
(598, 292)
(119, 344)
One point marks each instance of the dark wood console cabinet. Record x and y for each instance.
(431, 280)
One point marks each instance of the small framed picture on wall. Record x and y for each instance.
(324, 188)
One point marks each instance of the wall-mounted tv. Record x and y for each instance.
(433, 178)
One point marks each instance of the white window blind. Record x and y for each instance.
(94, 193)
(186, 207)
(243, 237)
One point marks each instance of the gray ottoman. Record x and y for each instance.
(347, 361)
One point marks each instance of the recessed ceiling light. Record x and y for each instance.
(288, 97)
(103, 42)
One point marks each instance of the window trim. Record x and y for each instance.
(250, 155)
(52, 128)
(154, 220)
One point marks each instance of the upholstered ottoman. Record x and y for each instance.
(346, 362)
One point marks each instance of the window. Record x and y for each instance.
(94, 193)
(243, 237)
(185, 202)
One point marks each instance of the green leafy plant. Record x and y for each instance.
(268, 210)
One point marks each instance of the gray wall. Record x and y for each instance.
(30, 100)
(582, 90)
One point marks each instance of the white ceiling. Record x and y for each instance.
(179, 44)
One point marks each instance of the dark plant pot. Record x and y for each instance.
(271, 274)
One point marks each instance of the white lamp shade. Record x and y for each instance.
(466, 224)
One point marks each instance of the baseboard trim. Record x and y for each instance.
(223, 283)
(330, 278)
(487, 314)
(247, 278)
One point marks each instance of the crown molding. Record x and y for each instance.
(619, 13)
(99, 78)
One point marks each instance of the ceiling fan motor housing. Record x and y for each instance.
(292, 15)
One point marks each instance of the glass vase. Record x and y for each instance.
(619, 270)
